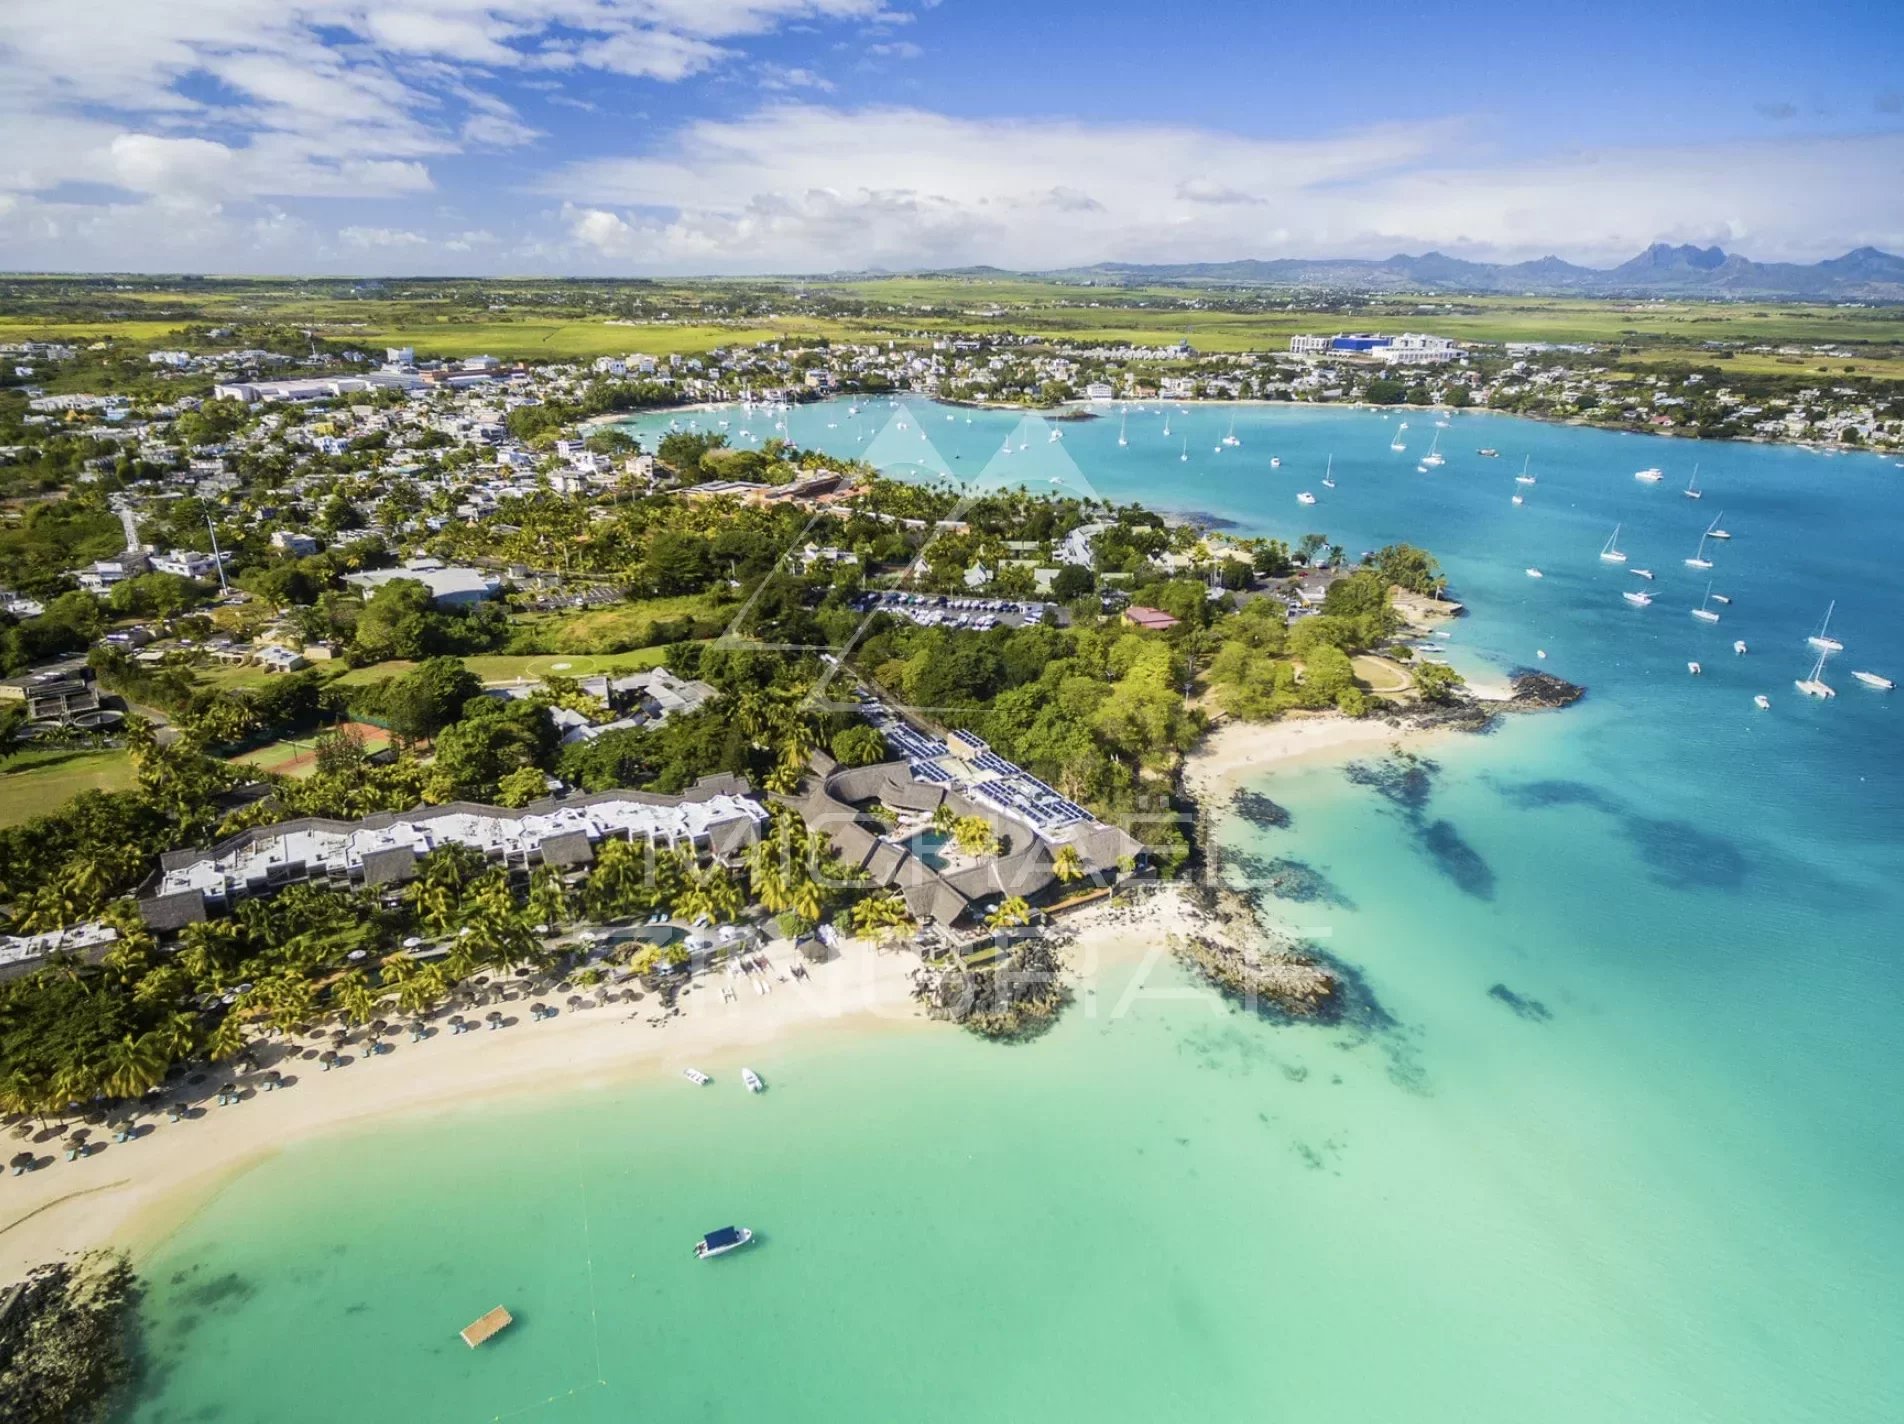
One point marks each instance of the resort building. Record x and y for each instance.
(717, 818)
(449, 586)
(1308, 345)
(897, 848)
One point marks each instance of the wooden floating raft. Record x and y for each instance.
(481, 1329)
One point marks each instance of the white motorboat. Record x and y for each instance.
(1305, 498)
(1693, 668)
(752, 1080)
(1535, 573)
(1704, 613)
(1275, 462)
(1652, 475)
(719, 1243)
(1871, 679)
(1739, 647)
(1641, 573)
(696, 1077)
(1720, 597)
(1822, 639)
(1611, 553)
(1762, 702)
(1488, 452)
(1517, 500)
(1815, 685)
(1638, 599)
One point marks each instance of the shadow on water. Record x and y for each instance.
(1259, 811)
(1278, 877)
(1531, 1009)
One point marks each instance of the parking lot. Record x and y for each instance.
(948, 611)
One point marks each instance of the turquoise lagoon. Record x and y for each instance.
(1620, 1141)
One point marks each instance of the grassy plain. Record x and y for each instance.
(36, 782)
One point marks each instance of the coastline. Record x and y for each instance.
(1232, 752)
(134, 1195)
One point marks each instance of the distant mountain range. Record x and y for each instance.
(1865, 274)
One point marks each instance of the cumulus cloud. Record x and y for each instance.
(808, 187)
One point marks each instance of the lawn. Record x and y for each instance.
(36, 782)
(295, 756)
(609, 630)
(499, 668)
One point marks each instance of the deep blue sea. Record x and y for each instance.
(1623, 1143)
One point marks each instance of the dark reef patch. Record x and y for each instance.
(1539, 795)
(1405, 780)
(1533, 1010)
(1685, 856)
(1260, 811)
(1458, 860)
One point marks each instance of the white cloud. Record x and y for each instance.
(805, 187)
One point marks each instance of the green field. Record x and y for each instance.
(36, 782)
(285, 756)
(500, 668)
(609, 630)
(531, 320)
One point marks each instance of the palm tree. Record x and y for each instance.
(712, 892)
(226, 1040)
(352, 994)
(549, 902)
(1012, 910)
(132, 1064)
(882, 915)
(1067, 864)
(944, 818)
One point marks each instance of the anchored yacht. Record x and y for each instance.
(1611, 553)
(719, 1243)
(1822, 639)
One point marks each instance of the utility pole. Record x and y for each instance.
(217, 558)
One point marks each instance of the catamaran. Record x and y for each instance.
(1610, 553)
(1692, 490)
(1822, 639)
(1871, 679)
(1652, 475)
(1434, 456)
(719, 1243)
(1815, 685)
(1705, 613)
(1699, 559)
(1523, 478)
(1305, 498)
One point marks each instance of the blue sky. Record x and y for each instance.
(689, 136)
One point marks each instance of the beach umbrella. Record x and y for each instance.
(327, 1058)
(575, 1002)
(340, 1038)
(411, 942)
(272, 1079)
(493, 1018)
(23, 1129)
(417, 1030)
(229, 1092)
(75, 1148)
(380, 1028)
(23, 1162)
(538, 1009)
(456, 1023)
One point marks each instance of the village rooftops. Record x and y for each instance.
(717, 814)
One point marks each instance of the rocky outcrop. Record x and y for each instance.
(1223, 949)
(1536, 691)
(65, 1340)
(1017, 997)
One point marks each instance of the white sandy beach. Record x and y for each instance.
(1234, 751)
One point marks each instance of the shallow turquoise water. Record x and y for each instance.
(1676, 1197)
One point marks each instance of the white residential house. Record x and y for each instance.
(291, 542)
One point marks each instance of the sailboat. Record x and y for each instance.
(1186, 449)
(1396, 444)
(1518, 499)
(1166, 425)
(1699, 559)
(1610, 553)
(1523, 478)
(1328, 475)
(1815, 685)
(1692, 491)
(1713, 531)
(1231, 439)
(1704, 612)
(1434, 456)
(1822, 639)
(1122, 420)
